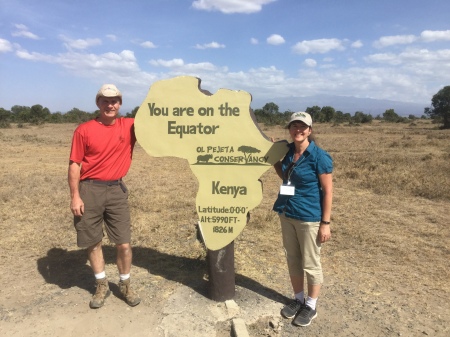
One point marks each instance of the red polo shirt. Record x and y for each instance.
(104, 151)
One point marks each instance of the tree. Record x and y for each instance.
(270, 108)
(366, 118)
(56, 117)
(361, 117)
(133, 112)
(341, 117)
(5, 118)
(440, 111)
(328, 114)
(20, 114)
(78, 116)
(390, 116)
(315, 113)
(248, 150)
(39, 114)
(270, 115)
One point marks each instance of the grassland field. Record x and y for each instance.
(386, 267)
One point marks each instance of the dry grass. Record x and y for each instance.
(390, 215)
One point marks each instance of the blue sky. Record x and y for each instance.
(59, 53)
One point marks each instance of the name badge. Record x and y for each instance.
(287, 189)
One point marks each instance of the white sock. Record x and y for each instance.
(311, 302)
(300, 296)
(124, 277)
(101, 275)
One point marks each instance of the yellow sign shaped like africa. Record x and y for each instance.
(218, 137)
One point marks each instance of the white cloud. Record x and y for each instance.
(5, 46)
(120, 68)
(252, 79)
(321, 46)
(79, 43)
(179, 65)
(414, 58)
(22, 31)
(351, 60)
(424, 67)
(201, 66)
(254, 41)
(231, 6)
(310, 63)
(275, 39)
(393, 76)
(112, 37)
(435, 35)
(167, 63)
(425, 36)
(428, 65)
(357, 44)
(148, 44)
(33, 56)
(386, 58)
(123, 64)
(20, 26)
(387, 41)
(212, 45)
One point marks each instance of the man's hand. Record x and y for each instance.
(77, 206)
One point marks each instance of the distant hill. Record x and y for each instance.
(345, 104)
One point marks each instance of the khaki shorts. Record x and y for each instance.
(302, 248)
(103, 204)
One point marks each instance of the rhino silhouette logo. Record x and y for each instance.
(204, 158)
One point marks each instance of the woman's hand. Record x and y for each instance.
(324, 233)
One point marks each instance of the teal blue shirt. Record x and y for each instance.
(306, 204)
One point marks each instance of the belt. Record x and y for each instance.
(103, 182)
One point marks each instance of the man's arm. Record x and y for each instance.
(76, 204)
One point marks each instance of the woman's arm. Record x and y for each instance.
(326, 181)
(278, 169)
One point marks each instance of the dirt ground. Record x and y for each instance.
(386, 267)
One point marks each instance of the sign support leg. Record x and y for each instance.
(221, 286)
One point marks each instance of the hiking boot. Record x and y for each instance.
(291, 309)
(101, 293)
(130, 297)
(305, 316)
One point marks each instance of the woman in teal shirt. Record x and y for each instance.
(304, 207)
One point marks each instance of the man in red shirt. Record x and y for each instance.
(100, 157)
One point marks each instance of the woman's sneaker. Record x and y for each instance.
(305, 316)
(291, 309)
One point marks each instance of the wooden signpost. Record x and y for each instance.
(226, 151)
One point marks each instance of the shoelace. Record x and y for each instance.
(305, 311)
(295, 304)
(101, 285)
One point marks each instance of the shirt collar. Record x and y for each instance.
(311, 147)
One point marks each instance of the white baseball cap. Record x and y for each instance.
(108, 90)
(300, 116)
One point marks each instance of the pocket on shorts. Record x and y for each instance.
(123, 187)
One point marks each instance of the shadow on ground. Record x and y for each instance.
(68, 269)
